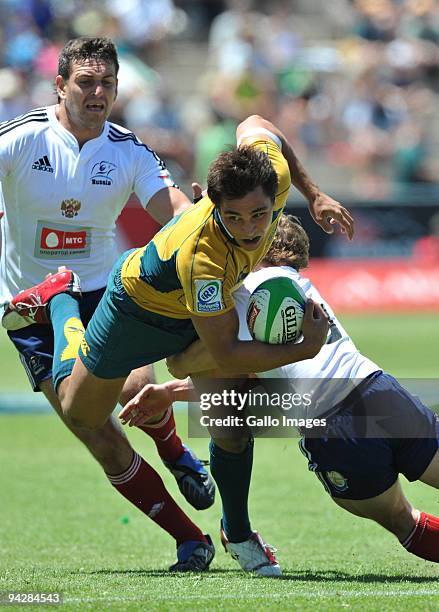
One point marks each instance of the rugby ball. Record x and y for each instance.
(275, 311)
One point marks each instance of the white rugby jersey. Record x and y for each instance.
(61, 203)
(338, 361)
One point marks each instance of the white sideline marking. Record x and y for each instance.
(338, 593)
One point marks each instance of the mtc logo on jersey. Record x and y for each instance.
(58, 240)
(100, 173)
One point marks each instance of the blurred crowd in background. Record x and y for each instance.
(354, 84)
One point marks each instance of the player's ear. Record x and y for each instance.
(60, 86)
(116, 89)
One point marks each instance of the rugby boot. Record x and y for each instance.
(30, 306)
(253, 555)
(194, 556)
(194, 481)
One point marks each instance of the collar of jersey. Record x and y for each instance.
(68, 137)
(223, 228)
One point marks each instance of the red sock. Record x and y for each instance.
(423, 541)
(144, 488)
(164, 434)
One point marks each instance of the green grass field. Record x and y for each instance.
(63, 528)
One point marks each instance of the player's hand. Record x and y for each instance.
(175, 367)
(326, 212)
(149, 402)
(315, 327)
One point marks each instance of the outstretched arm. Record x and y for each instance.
(325, 211)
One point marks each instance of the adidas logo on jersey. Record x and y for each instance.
(42, 164)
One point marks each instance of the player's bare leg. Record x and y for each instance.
(417, 531)
(108, 444)
(391, 510)
(88, 401)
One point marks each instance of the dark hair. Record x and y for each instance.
(84, 48)
(290, 246)
(236, 173)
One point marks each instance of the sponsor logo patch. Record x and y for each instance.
(101, 173)
(57, 239)
(208, 296)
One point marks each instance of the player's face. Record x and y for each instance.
(248, 219)
(89, 93)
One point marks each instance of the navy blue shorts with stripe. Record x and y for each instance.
(35, 343)
(351, 464)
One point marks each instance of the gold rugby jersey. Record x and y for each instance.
(192, 265)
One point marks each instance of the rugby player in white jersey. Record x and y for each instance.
(66, 173)
(359, 470)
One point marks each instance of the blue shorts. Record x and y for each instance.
(35, 343)
(352, 465)
(122, 336)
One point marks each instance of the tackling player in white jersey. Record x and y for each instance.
(357, 457)
(66, 173)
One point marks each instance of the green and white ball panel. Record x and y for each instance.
(275, 311)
